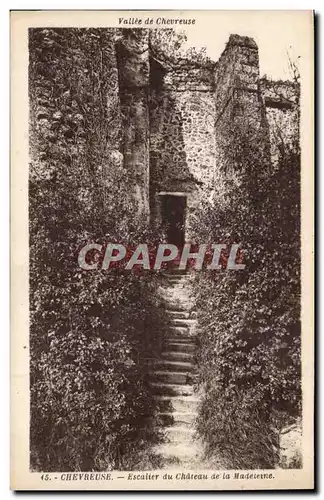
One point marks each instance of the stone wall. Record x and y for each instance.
(240, 124)
(182, 138)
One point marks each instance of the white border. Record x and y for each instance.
(4, 198)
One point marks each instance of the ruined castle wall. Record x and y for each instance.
(240, 122)
(133, 72)
(192, 127)
(182, 138)
(282, 113)
(236, 77)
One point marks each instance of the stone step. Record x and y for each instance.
(175, 338)
(176, 272)
(182, 305)
(178, 378)
(183, 322)
(172, 287)
(181, 404)
(176, 361)
(178, 418)
(179, 330)
(184, 452)
(173, 366)
(179, 435)
(166, 389)
(181, 315)
(182, 332)
(177, 356)
(176, 297)
(177, 285)
(180, 340)
(177, 307)
(176, 345)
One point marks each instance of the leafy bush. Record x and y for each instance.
(249, 320)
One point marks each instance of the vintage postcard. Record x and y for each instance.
(162, 225)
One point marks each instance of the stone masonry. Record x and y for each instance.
(179, 117)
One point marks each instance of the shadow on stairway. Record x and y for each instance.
(172, 377)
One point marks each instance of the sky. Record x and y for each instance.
(275, 32)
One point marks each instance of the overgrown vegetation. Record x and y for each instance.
(249, 320)
(89, 331)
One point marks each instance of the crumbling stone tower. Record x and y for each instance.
(181, 118)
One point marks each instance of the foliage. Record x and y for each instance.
(170, 45)
(249, 320)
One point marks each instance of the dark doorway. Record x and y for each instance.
(173, 218)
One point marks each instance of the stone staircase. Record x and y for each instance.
(172, 377)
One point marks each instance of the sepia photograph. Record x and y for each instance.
(167, 335)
